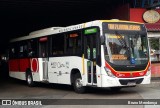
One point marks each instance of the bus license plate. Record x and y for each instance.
(131, 83)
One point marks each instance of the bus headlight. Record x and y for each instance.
(109, 73)
(148, 71)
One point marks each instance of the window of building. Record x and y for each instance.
(155, 49)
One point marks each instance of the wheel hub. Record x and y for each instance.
(79, 83)
(29, 79)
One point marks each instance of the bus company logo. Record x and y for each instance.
(120, 75)
(131, 74)
(6, 102)
(141, 73)
(71, 28)
(57, 65)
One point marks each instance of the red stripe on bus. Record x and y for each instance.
(24, 64)
(19, 65)
(121, 74)
(14, 65)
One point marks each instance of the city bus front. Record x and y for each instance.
(126, 54)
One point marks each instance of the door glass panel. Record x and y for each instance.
(90, 52)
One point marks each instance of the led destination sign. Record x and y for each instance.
(124, 27)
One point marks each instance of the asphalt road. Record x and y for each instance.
(16, 89)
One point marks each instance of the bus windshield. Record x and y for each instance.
(126, 49)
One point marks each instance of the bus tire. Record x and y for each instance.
(77, 84)
(115, 89)
(29, 79)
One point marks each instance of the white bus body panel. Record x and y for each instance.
(59, 68)
(113, 82)
(18, 75)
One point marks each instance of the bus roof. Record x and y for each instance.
(56, 30)
(117, 20)
(44, 30)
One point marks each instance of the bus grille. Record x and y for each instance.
(125, 82)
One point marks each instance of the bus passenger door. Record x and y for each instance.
(43, 54)
(90, 48)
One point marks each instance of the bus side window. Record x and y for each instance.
(21, 51)
(58, 44)
(30, 52)
(73, 42)
(25, 51)
(32, 48)
(12, 53)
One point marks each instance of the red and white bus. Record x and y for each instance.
(101, 53)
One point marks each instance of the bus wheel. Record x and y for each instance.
(78, 86)
(115, 89)
(29, 80)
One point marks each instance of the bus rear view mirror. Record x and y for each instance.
(102, 40)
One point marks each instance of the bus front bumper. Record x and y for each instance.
(116, 82)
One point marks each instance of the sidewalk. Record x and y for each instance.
(155, 82)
